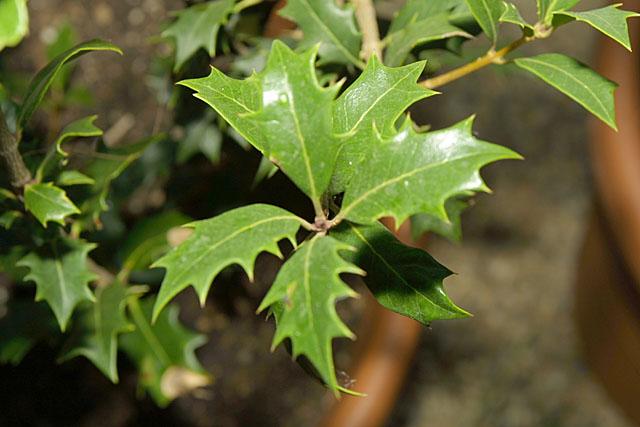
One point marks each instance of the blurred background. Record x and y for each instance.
(517, 362)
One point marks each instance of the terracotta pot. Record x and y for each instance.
(608, 283)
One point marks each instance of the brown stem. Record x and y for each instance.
(367, 21)
(19, 175)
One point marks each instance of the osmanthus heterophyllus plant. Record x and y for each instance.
(327, 106)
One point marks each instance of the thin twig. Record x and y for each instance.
(368, 23)
(19, 175)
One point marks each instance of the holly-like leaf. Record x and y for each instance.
(203, 137)
(99, 325)
(164, 352)
(303, 299)
(235, 237)
(42, 81)
(374, 101)
(417, 172)
(416, 10)
(546, 8)
(433, 28)
(512, 15)
(197, 27)
(61, 275)
(14, 22)
(451, 228)
(579, 82)
(403, 279)
(609, 20)
(333, 26)
(487, 13)
(48, 203)
(21, 327)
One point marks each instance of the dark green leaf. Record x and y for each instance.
(487, 13)
(451, 228)
(203, 137)
(24, 324)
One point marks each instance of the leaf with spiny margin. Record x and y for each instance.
(197, 27)
(609, 20)
(333, 26)
(164, 352)
(417, 172)
(416, 10)
(234, 237)
(98, 326)
(579, 82)
(23, 325)
(512, 15)
(304, 295)
(433, 28)
(377, 98)
(487, 13)
(48, 203)
(451, 228)
(42, 81)
(547, 8)
(61, 274)
(14, 22)
(403, 279)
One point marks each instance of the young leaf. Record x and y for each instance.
(164, 352)
(487, 13)
(303, 297)
(48, 203)
(377, 98)
(61, 275)
(14, 22)
(579, 82)
(99, 326)
(609, 20)
(73, 177)
(235, 237)
(403, 279)
(451, 229)
(197, 27)
(417, 172)
(324, 22)
(42, 81)
(546, 8)
(512, 15)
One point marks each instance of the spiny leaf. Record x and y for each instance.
(487, 13)
(403, 279)
(416, 10)
(197, 27)
(303, 297)
(61, 275)
(164, 352)
(376, 99)
(417, 172)
(546, 8)
(99, 325)
(14, 22)
(235, 237)
(579, 82)
(324, 22)
(609, 20)
(451, 229)
(48, 203)
(42, 81)
(512, 15)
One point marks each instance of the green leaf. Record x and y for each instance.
(451, 228)
(304, 295)
(48, 203)
(164, 352)
(416, 10)
(61, 274)
(433, 28)
(512, 15)
(14, 22)
(235, 237)
(73, 177)
(99, 325)
(374, 101)
(579, 82)
(403, 279)
(487, 13)
(546, 8)
(21, 327)
(609, 20)
(7, 218)
(197, 27)
(417, 172)
(324, 22)
(42, 81)
(203, 137)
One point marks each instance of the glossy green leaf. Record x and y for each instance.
(164, 352)
(416, 10)
(48, 203)
(450, 228)
(304, 294)
(234, 237)
(73, 177)
(14, 22)
(403, 279)
(42, 81)
(512, 15)
(333, 26)
(98, 327)
(373, 102)
(61, 275)
(197, 27)
(546, 8)
(417, 172)
(487, 13)
(23, 325)
(579, 82)
(609, 20)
